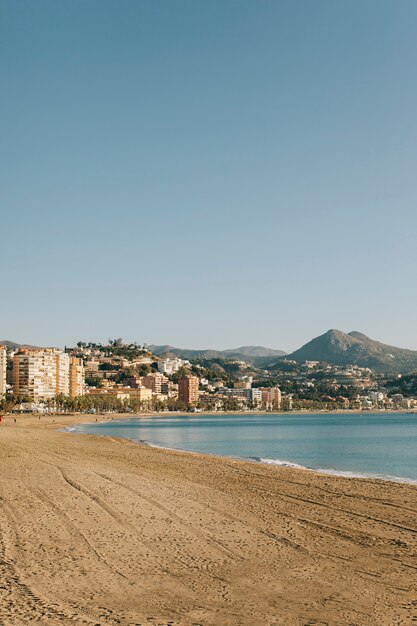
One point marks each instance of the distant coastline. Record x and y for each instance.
(90, 417)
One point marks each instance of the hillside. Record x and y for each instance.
(251, 354)
(13, 345)
(339, 348)
(253, 351)
(184, 353)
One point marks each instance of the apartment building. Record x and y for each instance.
(155, 382)
(243, 384)
(3, 366)
(143, 394)
(254, 395)
(40, 374)
(122, 393)
(62, 383)
(188, 389)
(271, 397)
(76, 377)
(170, 366)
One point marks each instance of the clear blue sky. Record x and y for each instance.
(208, 174)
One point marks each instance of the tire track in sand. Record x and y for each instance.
(207, 538)
(22, 603)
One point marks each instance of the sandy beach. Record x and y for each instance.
(96, 530)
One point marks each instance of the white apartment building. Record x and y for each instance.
(40, 374)
(170, 366)
(62, 361)
(3, 365)
(376, 396)
(256, 395)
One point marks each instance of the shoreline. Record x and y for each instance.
(150, 414)
(63, 421)
(128, 533)
(277, 463)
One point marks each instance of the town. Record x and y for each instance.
(120, 377)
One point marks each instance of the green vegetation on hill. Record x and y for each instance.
(406, 385)
(354, 348)
(116, 347)
(250, 354)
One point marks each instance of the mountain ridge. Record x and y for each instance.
(12, 345)
(355, 348)
(244, 353)
(334, 347)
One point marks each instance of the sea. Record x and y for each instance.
(382, 445)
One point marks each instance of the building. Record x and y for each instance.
(154, 382)
(236, 392)
(143, 394)
(271, 398)
(40, 374)
(76, 377)
(243, 384)
(62, 368)
(134, 381)
(242, 393)
(170, 366)
(256, 396)
(122, 393)
(188, 390)
(376, 396)
(3, 366)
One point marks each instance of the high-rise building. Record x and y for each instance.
(62, 361)
(154, 382)
(271, 397)
(40, 374)
(3, 366)
(188, 389)
(76, 377)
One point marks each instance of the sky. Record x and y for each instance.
(208, 174)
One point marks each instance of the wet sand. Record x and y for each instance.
(95, 530)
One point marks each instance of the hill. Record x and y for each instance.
(253, 351)
(13, 345)
(245, 353)
(184, 353)
(354, 348)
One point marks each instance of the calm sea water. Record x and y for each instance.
(382, 445)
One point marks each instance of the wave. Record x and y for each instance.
(145, 442)
(370, 475)
(264, 460)
(282, 463)
(343, 473)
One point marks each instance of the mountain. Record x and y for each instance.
(355, 348)
(13, 345)
(158, 350)
(183, 353)
(245, 353)
(253, 351)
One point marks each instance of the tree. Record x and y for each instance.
(144, 369)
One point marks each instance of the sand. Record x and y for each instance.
(96, 530)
